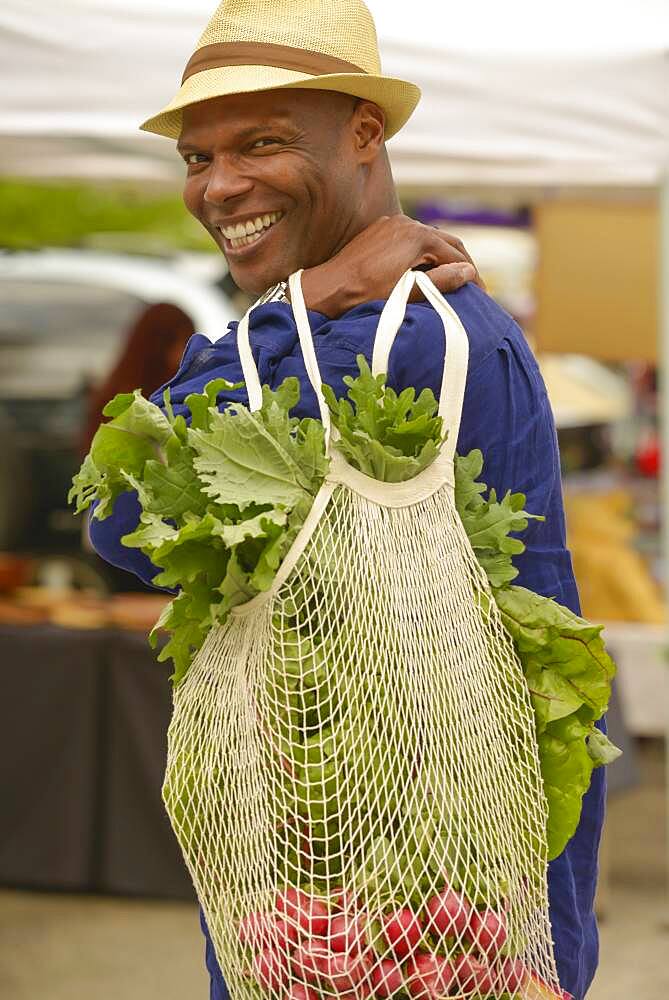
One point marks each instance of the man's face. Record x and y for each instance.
(279, 167)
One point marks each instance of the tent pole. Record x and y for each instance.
(663, 356)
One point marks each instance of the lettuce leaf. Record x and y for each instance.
(387, 436)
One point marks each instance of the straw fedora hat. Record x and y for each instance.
(253, 45)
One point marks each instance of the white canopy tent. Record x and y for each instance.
(522, 93)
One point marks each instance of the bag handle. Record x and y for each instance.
(456, 349)
(249, 369)
(308, 350)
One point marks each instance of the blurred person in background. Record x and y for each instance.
(151, 353)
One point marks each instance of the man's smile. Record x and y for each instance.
(247, 232)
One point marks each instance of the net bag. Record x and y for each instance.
(352, 769)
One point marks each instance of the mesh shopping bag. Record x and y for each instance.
(352, 769)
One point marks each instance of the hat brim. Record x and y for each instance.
(397, 98)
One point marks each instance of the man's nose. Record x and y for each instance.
(226, 181)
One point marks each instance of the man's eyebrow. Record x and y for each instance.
(279, 120)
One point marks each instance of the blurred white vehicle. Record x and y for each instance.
(64, 315)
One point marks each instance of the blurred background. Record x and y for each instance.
(542, 141)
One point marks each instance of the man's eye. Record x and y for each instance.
(189, 158)
(260, 143)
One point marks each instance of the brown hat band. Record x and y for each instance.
(265, 54)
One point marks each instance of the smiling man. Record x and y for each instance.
(282, 119)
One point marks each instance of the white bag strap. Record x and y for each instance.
(249, 370)
(456, 349)
(308, 351)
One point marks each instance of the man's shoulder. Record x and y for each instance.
(486, 323)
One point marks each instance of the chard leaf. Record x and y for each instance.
(566, 767)
(561, 644)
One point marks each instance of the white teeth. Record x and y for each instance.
(247, 232)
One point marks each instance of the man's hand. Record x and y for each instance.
(370, 265)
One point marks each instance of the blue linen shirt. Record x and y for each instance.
(507, 415)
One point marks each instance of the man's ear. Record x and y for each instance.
(369, 123)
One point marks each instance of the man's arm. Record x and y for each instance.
(369, 267)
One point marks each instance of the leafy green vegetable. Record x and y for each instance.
(224, 498)
(221, 501)
(387, 436)
(488, 523)
(563, 657)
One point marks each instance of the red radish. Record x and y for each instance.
(364, 991)
(267, 930)
(306, 960)
(429, 975)
(402, 932)
(270, 968)
(254, 929)
(449, 912)
(284, 934)
(537, 989)
(487, 931)
(472, 974)
(309, 913)
(298, 991)
(344, 899)
(343, 972)
(386, 978)
(347, 933)
(510, 975)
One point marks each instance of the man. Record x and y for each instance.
(281, 120)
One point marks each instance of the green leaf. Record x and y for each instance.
(561, 643)
(119, 404)
(200, 403)
(240, 462)
(601, 749)
(140, 418)
(566, 767)
(175, 488)
(87, 485)
(186, 635)
(489, 522)
(387, 436)
(235, 588)
(259, 526)
(150, 534)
